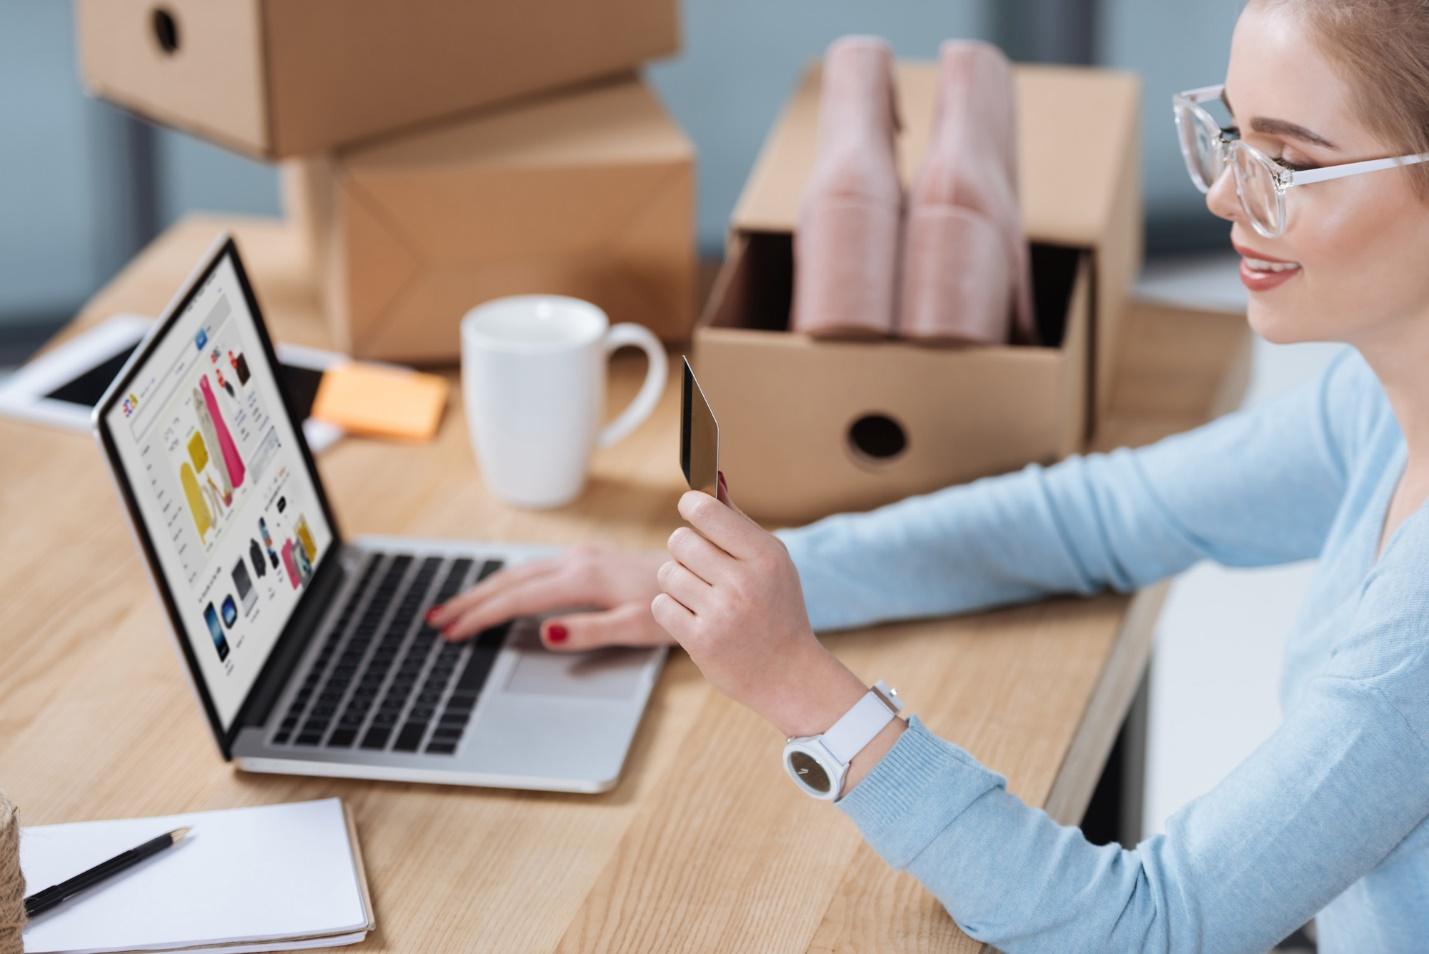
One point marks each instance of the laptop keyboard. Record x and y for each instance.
(384, 680)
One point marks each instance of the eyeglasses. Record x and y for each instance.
(1260, 181)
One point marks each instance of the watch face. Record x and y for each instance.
(811, 773)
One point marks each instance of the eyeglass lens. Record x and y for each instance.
(1256, 185)
(1200, 143)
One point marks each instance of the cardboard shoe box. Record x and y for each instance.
(589, 193)
(280, 78)
(810, 427)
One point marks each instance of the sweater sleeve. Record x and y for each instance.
(1253, 488)
(1317, 806)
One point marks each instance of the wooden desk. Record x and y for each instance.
(704, 845)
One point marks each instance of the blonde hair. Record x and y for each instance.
(1381, 48)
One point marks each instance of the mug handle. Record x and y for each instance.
(648, 396)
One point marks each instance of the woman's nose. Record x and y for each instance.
(1221, 197)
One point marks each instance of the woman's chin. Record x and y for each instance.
(1276, 325)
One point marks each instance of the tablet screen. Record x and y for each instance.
(85, 389)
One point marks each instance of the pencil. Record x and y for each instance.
(42, 901)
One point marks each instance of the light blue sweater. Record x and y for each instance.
(1328, 815)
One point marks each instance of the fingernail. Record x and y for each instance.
(433, 613)
(449, 632)
(557, 633)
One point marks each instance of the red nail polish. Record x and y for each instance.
(557, 633)
(449, 632)
(432, 614)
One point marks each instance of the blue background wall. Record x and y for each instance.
(82, 186)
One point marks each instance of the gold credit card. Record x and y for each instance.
(699, 437)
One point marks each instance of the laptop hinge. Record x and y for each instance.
(301, 628)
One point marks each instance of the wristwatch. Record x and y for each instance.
(819, 763)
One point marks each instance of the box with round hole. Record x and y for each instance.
(810, 427)
(276, 78)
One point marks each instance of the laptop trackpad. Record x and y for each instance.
(609, 673)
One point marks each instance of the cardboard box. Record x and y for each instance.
(279, 78)
(589, 193)
(812, 427)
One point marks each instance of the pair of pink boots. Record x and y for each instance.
(964, 276)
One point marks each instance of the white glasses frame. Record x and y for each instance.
(1228, 143)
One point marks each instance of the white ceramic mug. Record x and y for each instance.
(533, 371)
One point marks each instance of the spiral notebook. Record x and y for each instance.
(270, 878)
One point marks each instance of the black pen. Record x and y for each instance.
(42, 901)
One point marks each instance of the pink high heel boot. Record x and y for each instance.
(965, 260)
(846, 237)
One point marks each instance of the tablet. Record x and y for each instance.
(62, 386)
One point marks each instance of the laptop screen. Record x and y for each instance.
(220, 484)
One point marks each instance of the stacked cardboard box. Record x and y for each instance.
(810, 427)
(588, 193)
(445, 152)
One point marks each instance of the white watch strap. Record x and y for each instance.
(860, 724)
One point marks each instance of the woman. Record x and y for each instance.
(1329, 815)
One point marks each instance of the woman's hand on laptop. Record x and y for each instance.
(730, 595)
(618, 583)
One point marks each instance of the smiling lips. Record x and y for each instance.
(1260, 272)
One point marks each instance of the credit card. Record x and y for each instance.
(699, 437)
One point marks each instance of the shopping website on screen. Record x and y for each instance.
(219, 480)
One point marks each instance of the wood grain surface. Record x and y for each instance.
(704, 845)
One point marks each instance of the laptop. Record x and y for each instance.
(309, 651)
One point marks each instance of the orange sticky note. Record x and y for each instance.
(381, 402)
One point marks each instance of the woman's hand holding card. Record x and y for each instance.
(730, 595)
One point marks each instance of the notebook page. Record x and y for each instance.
(243, 875)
